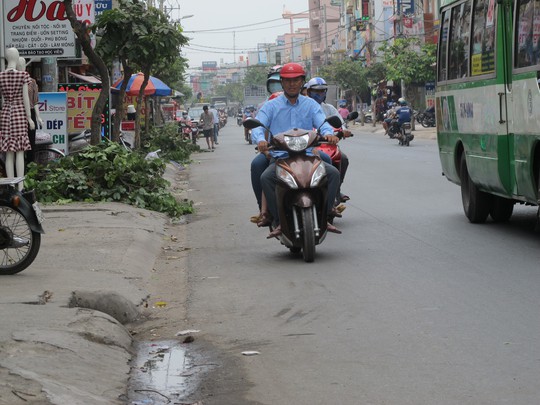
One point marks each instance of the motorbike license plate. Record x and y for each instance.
(39, 214)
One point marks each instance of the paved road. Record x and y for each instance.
(411, 305)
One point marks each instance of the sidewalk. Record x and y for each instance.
(419, 133)
(53, 354)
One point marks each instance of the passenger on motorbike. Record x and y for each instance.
(316, 89)
(281, 114)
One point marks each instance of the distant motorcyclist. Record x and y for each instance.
(317, 89)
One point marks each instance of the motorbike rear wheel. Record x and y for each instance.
(308, 227)
(19, 245)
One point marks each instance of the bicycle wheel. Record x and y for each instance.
(19, 245)
(44, 156)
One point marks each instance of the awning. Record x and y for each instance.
(176, 93)
(87, 79)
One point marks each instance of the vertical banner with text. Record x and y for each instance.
(53, 112)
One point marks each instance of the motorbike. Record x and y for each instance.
(404, 134)
(189, 130)
(20, 227)
(239, 119)
(428, 118)
(301, 189)
(222, 119)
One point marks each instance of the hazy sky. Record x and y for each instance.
(219, 28)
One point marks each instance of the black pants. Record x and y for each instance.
(32, 136)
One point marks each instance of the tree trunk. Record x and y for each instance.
(81, 32)
(119, 106)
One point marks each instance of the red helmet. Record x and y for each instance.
(292, 70)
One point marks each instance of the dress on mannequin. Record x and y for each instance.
(15, 118)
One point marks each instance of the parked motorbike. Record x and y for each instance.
(20, 227)
(428, 118)
(189, 130)
(301, 189)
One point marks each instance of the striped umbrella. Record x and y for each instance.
(155, 87)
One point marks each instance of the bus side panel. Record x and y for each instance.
(525, 126)
(466, 118)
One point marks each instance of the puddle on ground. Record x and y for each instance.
(162, 373)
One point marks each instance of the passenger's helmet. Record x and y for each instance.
(317, 83)
(292, 70)
(273, 83)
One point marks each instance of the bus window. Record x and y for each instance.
(483, 42)
(442, 46)
(458, 51)
(527, 47)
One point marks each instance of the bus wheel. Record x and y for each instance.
(501, 209)
(476, 203)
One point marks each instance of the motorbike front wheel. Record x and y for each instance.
(308, 250)
(19, 245)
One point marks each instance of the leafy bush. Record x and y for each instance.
(172, 146)
(106, 172)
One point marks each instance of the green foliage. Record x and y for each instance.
(406, 60)
(172, 73)
(233, 91)
(348, 75)
(172, 146)
(256, 75)
(376, 72)
(106, 172)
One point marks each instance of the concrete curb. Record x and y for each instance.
(53, 354)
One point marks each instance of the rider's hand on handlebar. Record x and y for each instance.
(331, 139)
(262, 146)
(346, 133)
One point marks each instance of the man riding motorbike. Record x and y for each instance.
(316, 89)
(261, 161)
(292, 110)
(397, 116)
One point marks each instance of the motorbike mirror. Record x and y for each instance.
(251, 123)
(352, 116)
(335, 121)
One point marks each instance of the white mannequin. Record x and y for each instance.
(15, 160)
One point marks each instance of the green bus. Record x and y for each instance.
(488, 103)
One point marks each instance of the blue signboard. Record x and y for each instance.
(102, 5)
(405, 7)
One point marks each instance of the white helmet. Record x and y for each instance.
(317, 83)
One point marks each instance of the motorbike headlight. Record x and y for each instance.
(286, 177)
(319, 174)
(297, 143)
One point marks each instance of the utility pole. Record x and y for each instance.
(325, 36)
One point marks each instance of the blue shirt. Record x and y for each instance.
(404, 114)
(279, 115)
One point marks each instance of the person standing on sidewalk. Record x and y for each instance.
(216, 123)
(207, 119)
